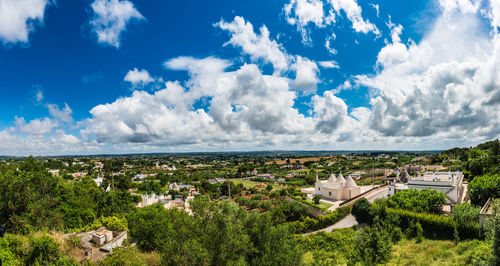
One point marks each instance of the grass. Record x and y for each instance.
(438, 252)
(322, 204)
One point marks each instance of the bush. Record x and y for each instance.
(114, 223)
(316, 199)
(417, 200)
(361, 210)
(433, 225)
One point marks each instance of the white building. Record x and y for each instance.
(450, 183)
(337, 188)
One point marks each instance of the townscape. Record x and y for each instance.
(261, 132)
(317, 208)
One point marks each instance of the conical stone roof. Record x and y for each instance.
(349, 183)
(340, 179)
(332, 179)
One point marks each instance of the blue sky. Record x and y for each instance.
(115, 76)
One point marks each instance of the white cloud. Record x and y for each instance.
(39, 95)
(36, 126)
(258, 46)
(377, 8)
(19, 17)
(494, 14)
(306, 78)
(63, 114)
(464, 6)
(443, 88)
(304, 12)
(138, 78)
(353, 13)
(328, 45)
(111, 18)
(329, 64)
(244, 108)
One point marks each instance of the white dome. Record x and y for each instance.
(332, 179)
(340, 179)
(350, 183)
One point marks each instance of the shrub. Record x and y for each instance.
(316, 199)
(114, 223)
(361, 210)
(417, 200)
(433, 225)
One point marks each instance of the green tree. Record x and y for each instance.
(316, 199)
(361, 211)
(481, 188)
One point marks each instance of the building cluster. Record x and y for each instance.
(450, 183)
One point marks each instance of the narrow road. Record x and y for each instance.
(349, 220)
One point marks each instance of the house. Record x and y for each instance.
(486, 213)
(54, 172)
(450, 183)
(337, 188)
(98, 181)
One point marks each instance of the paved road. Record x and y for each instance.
(371, 197)
(349, 220)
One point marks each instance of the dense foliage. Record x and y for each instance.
(426, 200)
(218, 233)
(481, 188)
(32, 199)
(361, 210)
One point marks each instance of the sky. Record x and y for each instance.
(132, 76)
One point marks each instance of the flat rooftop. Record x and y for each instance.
(451, 178)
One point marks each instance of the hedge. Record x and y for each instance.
(435, 226)
(312, 224)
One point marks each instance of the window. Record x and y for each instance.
(330, 193)
(319, 188)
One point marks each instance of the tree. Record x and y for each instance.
(316, 199)
(373, 244)
(361, 210)
(481, 188)
(465, 214)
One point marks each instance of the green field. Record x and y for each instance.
(251, 184)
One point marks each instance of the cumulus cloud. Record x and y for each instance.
(304, 12)
(110, 19)
(138, 78)
(464, 6)
(329, 64)
(36, 126)
(244, 106)
(353, 12)
(444, 87)
(306, 78)
(20, 17)
(259, 47)
(62, 114)
(55, 144)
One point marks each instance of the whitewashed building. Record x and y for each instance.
(337, 188)
(450, 183)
